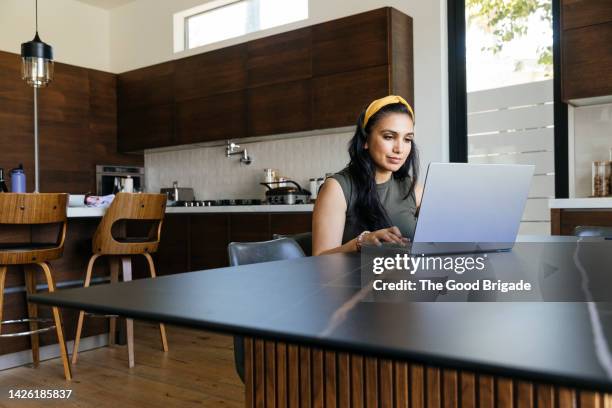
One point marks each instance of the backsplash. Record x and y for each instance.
(214, 176)
(592, 141)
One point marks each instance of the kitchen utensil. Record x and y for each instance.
(177, 193)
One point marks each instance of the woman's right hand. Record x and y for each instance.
(391, 234)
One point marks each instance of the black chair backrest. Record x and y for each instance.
(243, 253)
(593, 231)
(303, 239)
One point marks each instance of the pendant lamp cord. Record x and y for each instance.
(36, 15)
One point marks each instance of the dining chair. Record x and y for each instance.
(303, 239)
(593, 231)
(244, 253)
(33, 211)
(110, 239)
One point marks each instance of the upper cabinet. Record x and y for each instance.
(586, 49)
(311, 78)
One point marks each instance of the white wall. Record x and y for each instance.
(592, 128)
(142, 35)
(79, 33)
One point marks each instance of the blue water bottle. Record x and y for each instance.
(18, 180)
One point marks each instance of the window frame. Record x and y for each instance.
(457, 94)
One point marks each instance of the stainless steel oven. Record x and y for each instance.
(110, 179)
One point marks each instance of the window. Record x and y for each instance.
(223, 19)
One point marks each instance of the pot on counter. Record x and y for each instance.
(292, 193)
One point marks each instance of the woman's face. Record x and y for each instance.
(390, 141)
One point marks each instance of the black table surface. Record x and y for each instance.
(319, 301)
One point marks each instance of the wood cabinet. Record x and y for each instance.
(587, 61)
(146, 108)
(338, 98)
(192, 242)
(311, 78)
(279, 108)
(211, 73)
(211, 118)
(583, 13)
(563, 220)
(350, 43)
(586, 49)
(280, 58)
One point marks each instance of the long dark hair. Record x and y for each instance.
(369, 210)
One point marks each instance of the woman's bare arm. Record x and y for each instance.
(328, 221)
(418, 194)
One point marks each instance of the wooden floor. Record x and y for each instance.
(197, 371)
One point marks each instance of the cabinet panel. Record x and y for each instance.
(582, 13)
(147, 86)
(209, 240)
(587, 62)
(173, 253)
(350, 43)
(250, 227)
(211, 73)
(402, 56)
(215, 117)
(292, 223)
(280, 58)
(279, 108)
(146, 127)
(339, 99)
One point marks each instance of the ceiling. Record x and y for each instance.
(106, 4)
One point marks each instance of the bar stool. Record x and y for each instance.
(135, 207)
(31, 210)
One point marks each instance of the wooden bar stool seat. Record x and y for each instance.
(32, 210)
(109, 241)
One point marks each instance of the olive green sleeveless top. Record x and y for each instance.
(401, 211)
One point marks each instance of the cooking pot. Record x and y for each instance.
(292, 194)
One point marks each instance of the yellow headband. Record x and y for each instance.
(379, 103)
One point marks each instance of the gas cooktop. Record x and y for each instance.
(214, 203)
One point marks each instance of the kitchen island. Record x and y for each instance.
(314, 341)
(192, 238)
(568, 213)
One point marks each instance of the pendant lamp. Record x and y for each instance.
(37, 71)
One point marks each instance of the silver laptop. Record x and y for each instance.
(471, 207)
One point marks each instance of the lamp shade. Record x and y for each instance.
(36, 62)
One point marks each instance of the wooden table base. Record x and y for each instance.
(285, 375)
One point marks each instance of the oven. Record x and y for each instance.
(110, 179)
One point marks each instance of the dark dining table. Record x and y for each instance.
(317, 333)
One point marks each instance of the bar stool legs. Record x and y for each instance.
(58, 322)
(30, 281)
(3, 270)
(126, 266)
(162, 328)
(77, 337)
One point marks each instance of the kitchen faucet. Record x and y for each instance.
(230, 150)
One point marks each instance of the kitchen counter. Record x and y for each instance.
(88, 212)
(582, 203)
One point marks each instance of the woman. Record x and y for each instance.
(375, 198)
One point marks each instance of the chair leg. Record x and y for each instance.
(30, 281)
(162, 327)
(126, 263)
(3, 270)
(77, 336)
(114, 278)
(58, 322)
